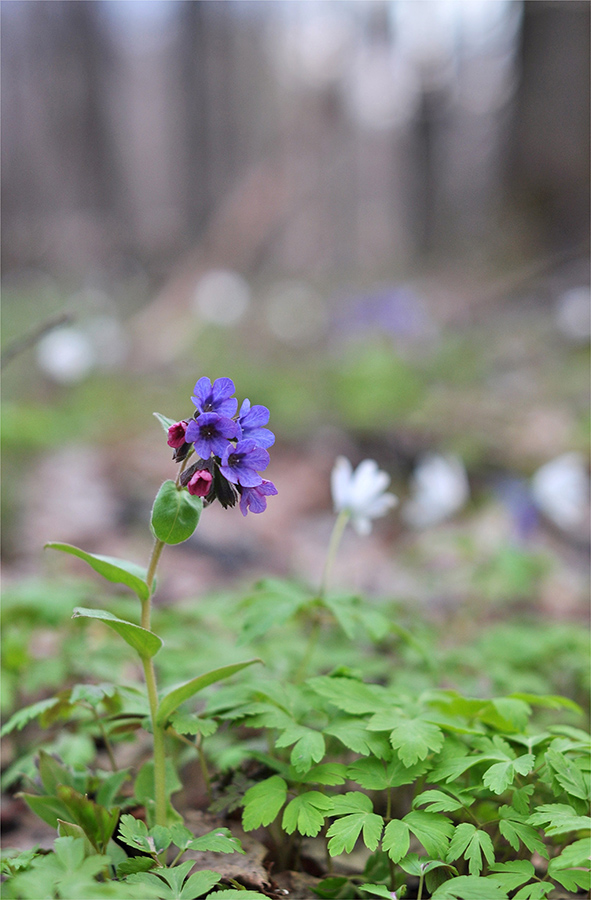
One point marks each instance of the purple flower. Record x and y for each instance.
(217, 399)
(210, 433)
(240, 463)
(255, 498)
(251, 420)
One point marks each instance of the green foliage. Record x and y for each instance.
(171, 701)
(144, 642)
(175, 514)
(119, 571)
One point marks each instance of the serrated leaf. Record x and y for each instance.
(473, 845)
(309, 748)
(568, 775)
(438, 802)
(25, 715)
(325, 773)
(354, 735)
(273, 602)
(396, 839)
(173, 699)
(263, 801)
(414, 739)
(118, 571)
(175, 514)
(134, 833)
(513, 874)
(572, 869)
(344, 832)
(432, 830)
(306, 813)
(219, 841)
(558, 818)
(189, 723)
(348, 694)
(502, 774)
(515, 832)
(135, 864)
(144, 642)
(536, 890)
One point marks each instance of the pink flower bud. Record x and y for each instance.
(200, 483)
(176, 434)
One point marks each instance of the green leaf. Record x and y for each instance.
(501, 774)
(97, 822)
(263, 801)
(353, 734)
(134, 833)
(49, 808)
(513, 874)
(25, 715)
(171, 701)
(165, 421)
(306, 813)
(470, 887)
(175, 514)
(69, 829)
(571, 868)
(414, 739)
(219, 841)
(309, 746)
(189, 723)
(325, 773)
(144, 642)
(52, 773)
(272, 602)
(568, 775)
(135, 864)
(515, 831)
(396, 840)
(376, 775)
(376, 890)
(432, 830)
(558, 818)
(357, 814)
(234, 894)
(473, 845)
(348, 694)
(534, 891)
(119, 571)
(438, 802)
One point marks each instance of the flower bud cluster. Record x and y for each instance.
(231, 446)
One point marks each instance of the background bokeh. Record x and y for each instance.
(372, 215)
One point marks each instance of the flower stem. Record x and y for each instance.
(150, 676)
(335, 539)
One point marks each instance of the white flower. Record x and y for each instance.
(560, 490)
(439, 488)
(361, 493)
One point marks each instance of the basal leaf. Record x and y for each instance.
(175, 514)
(263, 801)
(144, 642)
(432, 830)
(501, 774)
(219, 841)
(344, 832)
(414, 739)
(559, 818)
(568, 774)
(474, 845)
(25, 715)
(348, 694)
(306, 813)
(516, 832)
(513, 874)
(353, 734)
(119, 571)
(437, 802)
(396, 840)
(171, 701)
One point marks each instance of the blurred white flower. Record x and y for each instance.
(221, 297)
(66, 355)
(361, 493)
(439, 488)
(560, 489)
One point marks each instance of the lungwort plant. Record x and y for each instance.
(381, 787)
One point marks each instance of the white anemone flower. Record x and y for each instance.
(361, 493)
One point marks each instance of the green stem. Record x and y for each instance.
(159, 749)
(420, 888)
(335, 539)
(309, 652)
(150, 676)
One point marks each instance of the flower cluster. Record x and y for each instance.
(232, 448)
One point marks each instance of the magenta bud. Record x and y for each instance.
(200, 483)
(176, 434)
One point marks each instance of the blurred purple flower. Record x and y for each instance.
(255, 498)
(210, 433)
(251, 420)
(217, 398)
(241, 463)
